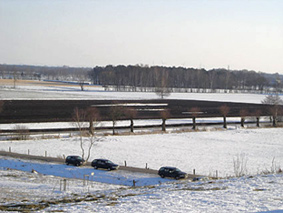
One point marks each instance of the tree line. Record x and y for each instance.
(29, 72)
(190, 79)
(143, 77)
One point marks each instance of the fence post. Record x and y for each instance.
(86, 179)
(65, 184)
(28, 151)
(10, 150)
(216, 173)
(125, 163)
(194, 171)
(146, 166)
(45, 153)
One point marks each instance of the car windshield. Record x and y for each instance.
(79, 158)
(178, 170)
(108, 161)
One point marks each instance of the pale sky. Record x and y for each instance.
(241, 34)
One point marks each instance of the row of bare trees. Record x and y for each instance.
(29, 72)
(116, 112)
(140, 76)
(224, 111)
(180, 77)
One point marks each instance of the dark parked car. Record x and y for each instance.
(74, 160)
(104, 164)
(171, 172)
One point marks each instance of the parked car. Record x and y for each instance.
(173, 172)
(104, 164)
(74, 160)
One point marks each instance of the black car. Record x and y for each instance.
(74, 160)
(173, 172)
(104, 164)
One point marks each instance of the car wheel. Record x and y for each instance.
(177, 177)
(108, 168)
(162, 176)
(95, 167)
(67, 164)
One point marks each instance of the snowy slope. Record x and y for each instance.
(206, 152)
(261, 193)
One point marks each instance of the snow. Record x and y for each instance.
(261, 193)
(34, 91)
(209, 151)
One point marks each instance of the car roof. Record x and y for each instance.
(101, 159)
(73, 156)
(168, 167)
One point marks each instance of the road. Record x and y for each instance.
(62, 161)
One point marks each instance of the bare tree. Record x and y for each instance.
(243, 115)
(22, 132)
(257, 115)
(116, 112)
(275, 108)
(165, 114)
(224, 110)
(131, 113)
(15, 78)
(93, 117)
(162, 89)
(195, 112)
(80, 116)
(82, 84)
(81, 80)
(211, 75)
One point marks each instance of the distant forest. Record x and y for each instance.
(185, 79)
(29, 72)
(142, 78)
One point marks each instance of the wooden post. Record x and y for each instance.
(194, 171)
(65, 184)
(146, 166)
(216, 174)
(125, 163)
(134, 183)
(28, 151)
(45, 153)
(10, 150)
(86, 179)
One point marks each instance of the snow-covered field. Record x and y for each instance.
(40, 90)
(207, 152)
(246, 194)
(257, 150)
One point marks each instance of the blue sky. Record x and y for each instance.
(241, 34)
